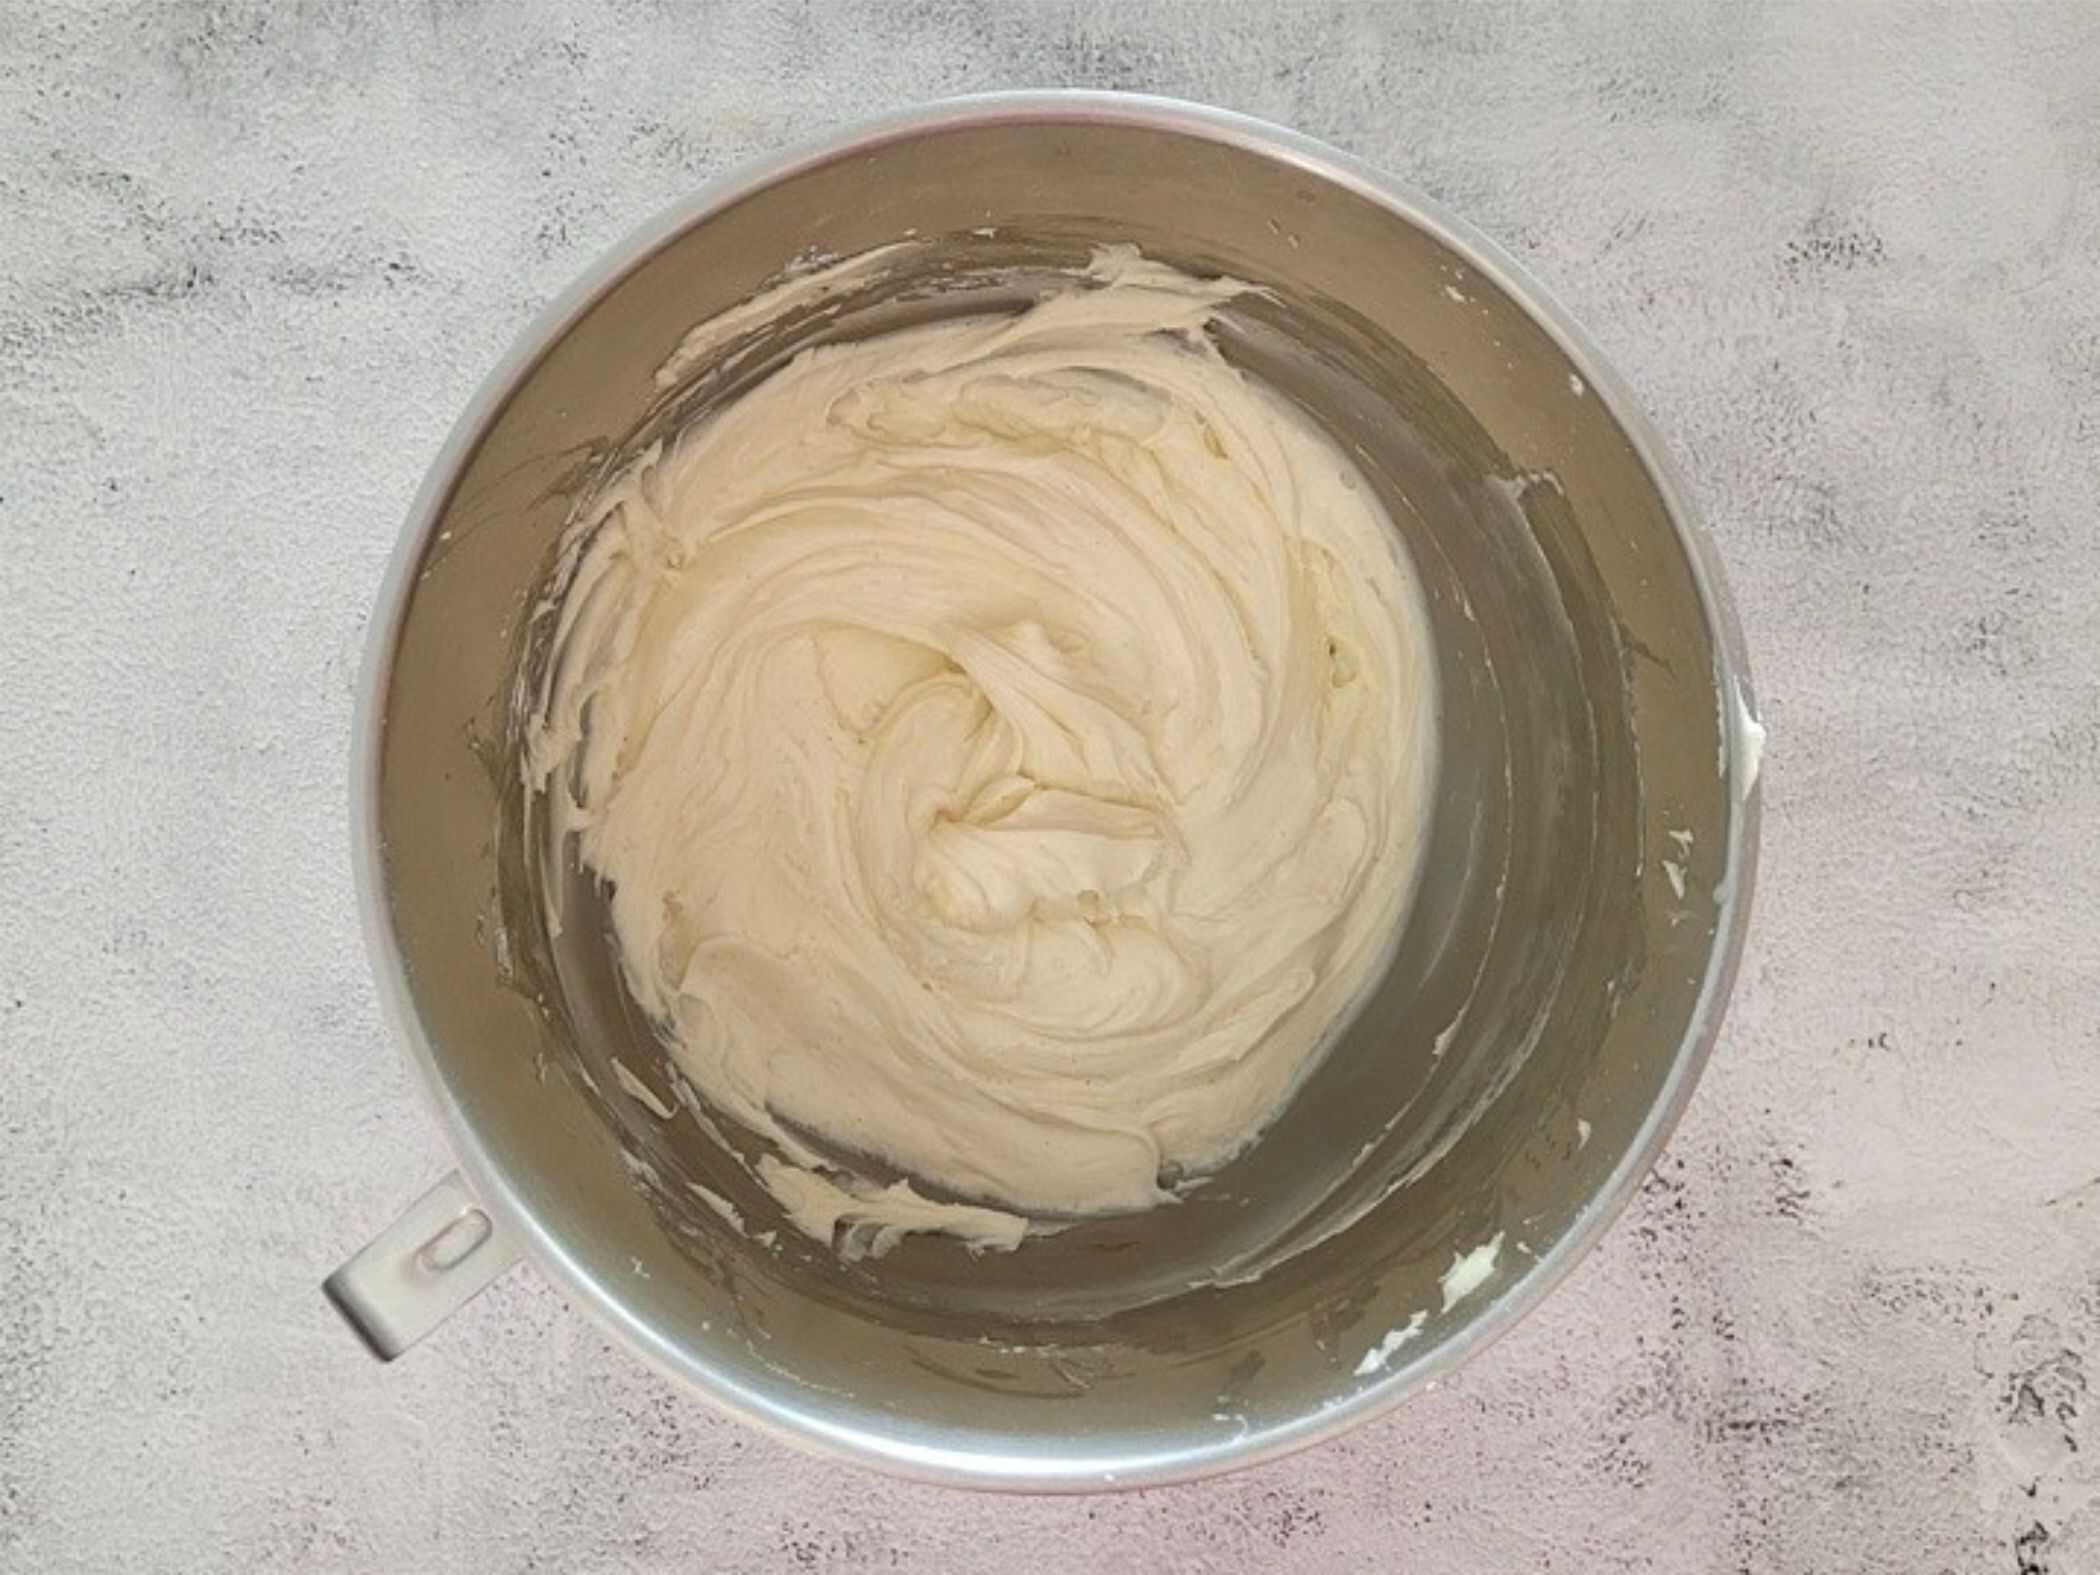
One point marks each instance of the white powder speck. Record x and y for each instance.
(640, 1091)
(1470, 1270)
(1376, 1358)
(718, 1203)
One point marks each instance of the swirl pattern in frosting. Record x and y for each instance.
(1006, 744)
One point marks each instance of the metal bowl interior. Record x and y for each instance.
(1562, 970)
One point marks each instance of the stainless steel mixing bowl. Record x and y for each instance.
(1560, 979)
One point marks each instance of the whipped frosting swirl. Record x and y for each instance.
(1006, 745)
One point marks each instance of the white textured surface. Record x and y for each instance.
(252, 258)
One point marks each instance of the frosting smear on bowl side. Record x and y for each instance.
(1006, 744)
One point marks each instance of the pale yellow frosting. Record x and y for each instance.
(1006, 742)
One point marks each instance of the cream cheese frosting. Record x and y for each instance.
(1005, 744)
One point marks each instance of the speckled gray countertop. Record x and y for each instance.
(253, 256)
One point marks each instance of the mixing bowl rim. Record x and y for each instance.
(858, 1436)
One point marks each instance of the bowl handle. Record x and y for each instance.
(420, 1270)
